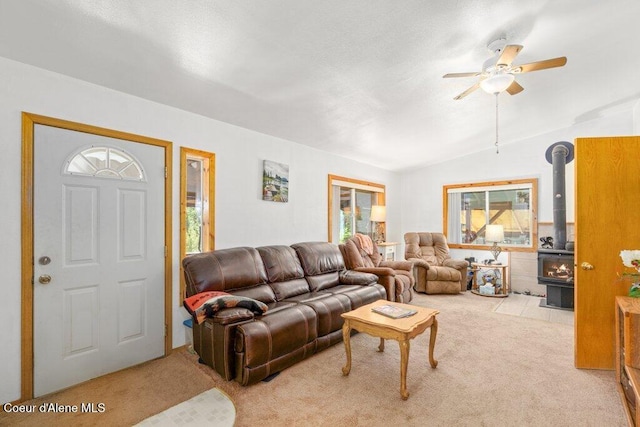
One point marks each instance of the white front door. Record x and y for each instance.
(99, 253)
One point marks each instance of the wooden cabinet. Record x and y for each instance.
(628, 356)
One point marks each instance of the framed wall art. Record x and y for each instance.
(275, 182)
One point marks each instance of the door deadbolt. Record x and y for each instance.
(44, 279)
(44, 260)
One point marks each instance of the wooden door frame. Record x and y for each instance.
(29, 121)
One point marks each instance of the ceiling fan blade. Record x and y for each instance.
(472, 74)
(508, 54)
(468, 91)
(542, 65)
(515, 88)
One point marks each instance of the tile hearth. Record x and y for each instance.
(529, 306)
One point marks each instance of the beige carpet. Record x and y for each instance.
(129, 396)
(494, 370)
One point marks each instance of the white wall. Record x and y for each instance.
(242, 218)
(422, 188)
(636, 118)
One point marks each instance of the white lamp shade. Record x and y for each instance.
(497, 83)
(494, 233)
(378, 213)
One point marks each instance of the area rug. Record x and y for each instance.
(211, 408)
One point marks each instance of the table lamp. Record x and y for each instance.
(495, 234)
(378, 215)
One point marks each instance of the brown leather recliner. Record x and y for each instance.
(434, 270)
(395, 276)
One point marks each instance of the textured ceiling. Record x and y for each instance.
(359, 78)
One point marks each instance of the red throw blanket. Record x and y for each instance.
(206, 304)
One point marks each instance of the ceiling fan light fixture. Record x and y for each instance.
(497, 83)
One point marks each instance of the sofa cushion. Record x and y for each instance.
(292, 288)
(276, 334)
(443, 273)
(431, 247)
(223, 270)
(281, 263)
(319, 257)
(350, 277)
(308, 296)
(328, 312)
(284, 271)
(262, 293)
(360, 295)
(355, 256)
(323, 281)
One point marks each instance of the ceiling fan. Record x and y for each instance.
(498, 73)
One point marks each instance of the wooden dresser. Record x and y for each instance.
(628, 356)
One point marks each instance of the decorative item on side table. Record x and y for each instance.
(631, 258)
(547, 242)
(495, 234)
(378, 216)
(490, 280)
(393, 311)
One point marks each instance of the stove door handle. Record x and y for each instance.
(586, 266)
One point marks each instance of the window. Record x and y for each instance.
(197, 187)
(469, 208)
(350, 203)
(104, 162)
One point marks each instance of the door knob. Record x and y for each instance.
(44, 279)
(586, 266)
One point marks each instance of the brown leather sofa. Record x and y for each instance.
(306, 288)
(434, 270)
(395, 276)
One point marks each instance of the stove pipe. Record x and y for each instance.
(559, 154)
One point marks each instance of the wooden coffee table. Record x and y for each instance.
(402, 330)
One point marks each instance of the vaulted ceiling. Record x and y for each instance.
(359, 78)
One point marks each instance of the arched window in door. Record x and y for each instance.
(105, 162)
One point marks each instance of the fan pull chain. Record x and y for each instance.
(497, 149)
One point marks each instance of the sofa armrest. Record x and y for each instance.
(417, 262)
(462, 266)
(214, 339)
(228, 316)
(398, 265)
(378, 271)
(455, 263)
(351, 277)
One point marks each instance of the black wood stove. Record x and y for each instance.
(555, 265)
